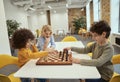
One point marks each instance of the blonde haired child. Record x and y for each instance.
(46, 40)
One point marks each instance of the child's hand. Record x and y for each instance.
(75, 60)
(33, 42)
(53, 51)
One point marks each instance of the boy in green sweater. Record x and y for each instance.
(101, 49)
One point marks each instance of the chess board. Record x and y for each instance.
(61, 58)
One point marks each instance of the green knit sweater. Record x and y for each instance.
(101, 58)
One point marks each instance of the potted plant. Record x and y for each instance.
(38, 32)
(79, 23)
(12, 25)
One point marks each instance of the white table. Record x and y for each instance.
(61, 45)
(74, 71)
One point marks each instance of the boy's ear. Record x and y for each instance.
(104, 34)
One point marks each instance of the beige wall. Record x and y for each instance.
(4, 42)
(105, 10)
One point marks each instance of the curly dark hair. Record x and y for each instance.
(21, 37)
(100, 27)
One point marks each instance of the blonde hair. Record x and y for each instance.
(46, 28)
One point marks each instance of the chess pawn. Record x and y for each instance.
(46, 58)
(63, 55)
(60, 54)
(66, 56)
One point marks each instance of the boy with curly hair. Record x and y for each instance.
(22, 40)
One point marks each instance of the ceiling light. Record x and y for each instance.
(49, 7)
(66, 5)
(32, 9)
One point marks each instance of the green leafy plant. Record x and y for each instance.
(12, 25)
(79, 23)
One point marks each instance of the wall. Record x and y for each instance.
(59, 20)
(42, 20)
(105, 10)
(114, 15)
(15, 13)
(37, 20)
(96, 10)
(88, 16)
(4, 42)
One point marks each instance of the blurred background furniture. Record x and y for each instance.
(115, 79)
(116, 59)
(61, 32)
(69, 39)
(116, 76)
(88, 44)
(4, 78)
(8, 66)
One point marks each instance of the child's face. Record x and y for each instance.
(28, 44)
(47, 34)
(98, 38)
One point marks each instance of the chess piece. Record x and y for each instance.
(66, 51)
(60, 54)
(45, 58)
(63, 54)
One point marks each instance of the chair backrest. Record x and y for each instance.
(89, 43)
(116, 59)
(8, 66)
(4, 78)
(115, 78)
(69, 39)
(7, 59)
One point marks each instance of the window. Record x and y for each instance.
(119, 18)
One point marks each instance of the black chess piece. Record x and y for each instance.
(66, 51)
(60, 54)
(63, 55)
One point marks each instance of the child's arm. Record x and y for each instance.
(34, 48)
(52, 41)
(41, 53)
(38, 54)
(47, 40)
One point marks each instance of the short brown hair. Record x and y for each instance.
(100, 27)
